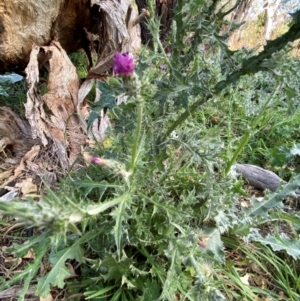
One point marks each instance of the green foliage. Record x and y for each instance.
(274, 270)
(59, 272)
(13, 91)
(272, 200)
(151, 220)
(80, 60)
(282, 242)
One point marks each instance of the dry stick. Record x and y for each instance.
(140, 18)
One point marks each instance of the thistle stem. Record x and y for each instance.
(135, 147)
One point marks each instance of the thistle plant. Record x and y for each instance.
(151, 217)
(124, 68)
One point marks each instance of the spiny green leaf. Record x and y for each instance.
(272, 200)
(116, 268)
(151, 290)
(290, 91)
(108, 97)
(170, 284)
(295, 150)
(215, 295)
(55, 278)
(59, 271)
(212, 240)
(282, 242)
(222, 221)
(120, 216)
(21, 249)
(241, 229)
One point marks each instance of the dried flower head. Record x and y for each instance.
(123, 64)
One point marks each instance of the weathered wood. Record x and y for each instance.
(16, 133)
(259, 177)
(75, 24)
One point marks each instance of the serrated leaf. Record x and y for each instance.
(94, 115)
(151, 290)
(222, 221)
(58, 275)
(21, 249)
(120, 216)
(295, 150)
(170, 283)
(28, 273)
(33, 269)
(113, 269)
(272, 200)
(108, 97)
(59, 271)
(73, 252)
(262, 207)
(127, 282)
(212, 240)
(165, 92)
(282, 242)
(241, 229)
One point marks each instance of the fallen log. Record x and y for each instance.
(259, 177)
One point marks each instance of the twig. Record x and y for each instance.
(140, 18)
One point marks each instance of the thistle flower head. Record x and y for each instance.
(114, 166)
(123, 64)
(162, 67)
(97, 160)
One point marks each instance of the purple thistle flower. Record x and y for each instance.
(123, 64)
(201, 244)
(97, 160)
